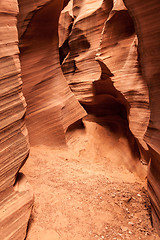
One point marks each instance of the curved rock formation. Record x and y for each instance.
(15, 202)
(146, 16)
(111, 40)
(109, 53)
(132, 63)
(64, 29)
(80, 67)
(118, 50)
(52, 107)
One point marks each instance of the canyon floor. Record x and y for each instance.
(90, 189)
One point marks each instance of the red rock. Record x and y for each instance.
(146, 15)
(15, 204)
(52, 107)
(133, 64)
(110, 57)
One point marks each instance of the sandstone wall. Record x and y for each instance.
(15, 197)
(146, 16)
(111, 58)
(51, 104)
(103, 33)
(52, 107)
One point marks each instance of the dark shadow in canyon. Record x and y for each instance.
(108, 106)
(110, 109)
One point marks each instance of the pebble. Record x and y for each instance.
(139, 195)
(120, 234)
(124, 229)
(131, 223)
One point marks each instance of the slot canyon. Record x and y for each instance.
(79, 119)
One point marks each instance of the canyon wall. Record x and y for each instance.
(110, 57)
(16, 197)
(146, 17)
(100, 62)
(51, 106)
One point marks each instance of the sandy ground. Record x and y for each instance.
(86, 191)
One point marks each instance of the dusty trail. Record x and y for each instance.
(86, 192)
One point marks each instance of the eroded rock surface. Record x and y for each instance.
(52, 107)
(80, 67)
(109, 55)
(111, 40)
(118, 50)
(131, 64)
(146, 15)
(15, 205)
(15, 209)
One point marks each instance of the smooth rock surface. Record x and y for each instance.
(147, 19)
(110, 56)
(80, 67)
(127, 44)
(112, 40)
(52, 107)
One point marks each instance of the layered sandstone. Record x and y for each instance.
(111, 61)
(119, 51)
(52, 107)
(111, 40)
(146, 16)
(80, 67)
(15, 202)
(109, 56)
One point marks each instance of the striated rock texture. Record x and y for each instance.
(15, 202)
(110, 57)
(52, 107)
(147, 20)
(80, 67)
(110, 40)
(118, 50)
(64, 29)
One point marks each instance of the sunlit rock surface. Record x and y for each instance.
(110, 58)
(126, 43)
(146, 16)
(15, 209)
(15, 206)
(52, 107)
(80, 67)
(118, 50)
(111, 38)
